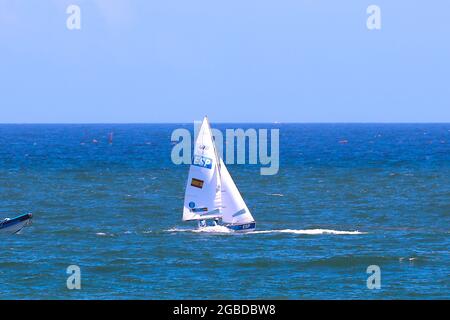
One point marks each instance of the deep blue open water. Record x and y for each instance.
(115, 211)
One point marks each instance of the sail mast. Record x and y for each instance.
(214, 144)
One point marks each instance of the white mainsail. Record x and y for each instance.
(203, 192)
(234, 210)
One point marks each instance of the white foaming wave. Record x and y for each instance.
(103, 234)
(222, 229)
(310, 231)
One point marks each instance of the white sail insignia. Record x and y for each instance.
(211, 192)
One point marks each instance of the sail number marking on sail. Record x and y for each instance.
(201, 161)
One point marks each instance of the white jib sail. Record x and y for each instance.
(202, 199)
(234, 210)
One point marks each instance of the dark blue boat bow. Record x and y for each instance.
(16, 220)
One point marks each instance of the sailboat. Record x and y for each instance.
(211, 194)
(15, 225)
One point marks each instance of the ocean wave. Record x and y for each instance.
(311, 231)
(104, 234)
(222, 229)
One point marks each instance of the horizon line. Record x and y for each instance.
(226, 122)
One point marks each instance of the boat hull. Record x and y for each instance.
(16, 224)
(245, 227)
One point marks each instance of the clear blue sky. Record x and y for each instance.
(235, 60)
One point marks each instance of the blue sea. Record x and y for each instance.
(347, 196)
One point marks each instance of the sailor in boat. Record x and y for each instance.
(202, 223)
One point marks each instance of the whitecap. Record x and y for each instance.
(310, 231)
(223, 229)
